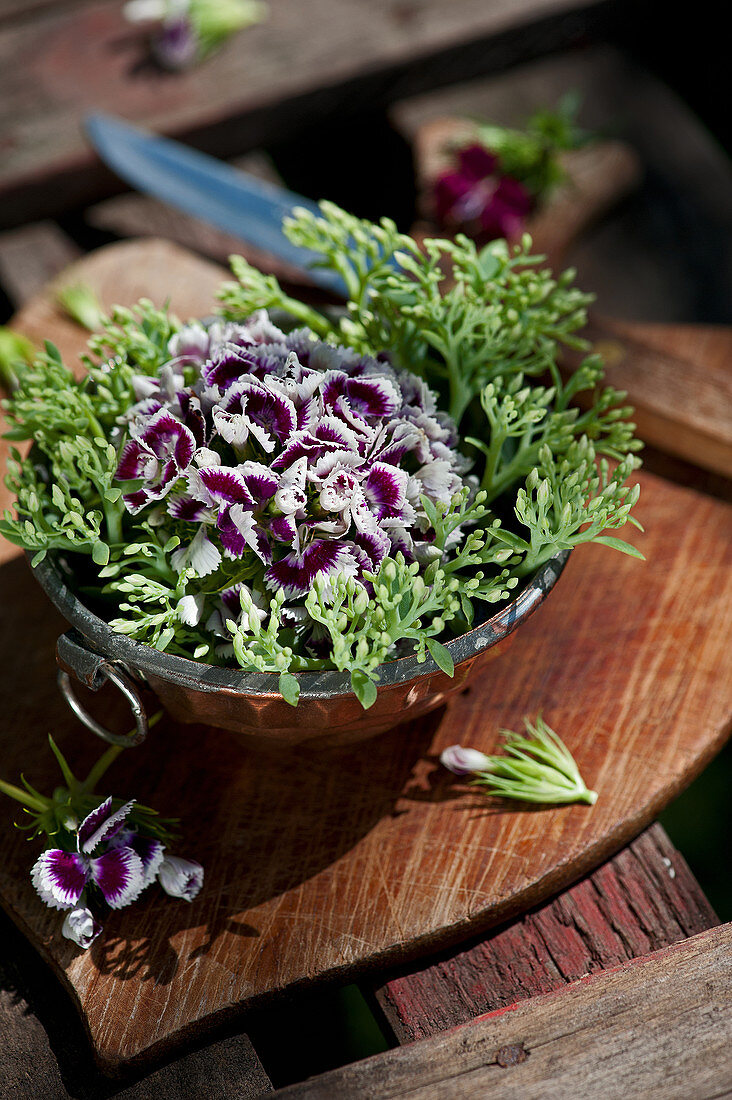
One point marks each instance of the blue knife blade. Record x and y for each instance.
(209, 189)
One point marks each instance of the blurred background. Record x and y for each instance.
(336, 98)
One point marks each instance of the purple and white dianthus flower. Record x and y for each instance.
(293, 456)
(120, 872)
(113, 860)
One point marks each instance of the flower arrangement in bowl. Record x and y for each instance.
(288, 507)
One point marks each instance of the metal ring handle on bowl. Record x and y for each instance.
(94, 670)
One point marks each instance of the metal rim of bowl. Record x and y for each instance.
(144, 659)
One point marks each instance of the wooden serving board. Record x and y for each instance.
(319, 865)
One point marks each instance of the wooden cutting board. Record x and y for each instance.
(319, 865)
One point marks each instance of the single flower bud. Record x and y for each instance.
(463, 761)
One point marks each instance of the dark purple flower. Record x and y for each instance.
(231, 364)
(283, 528)
(385, 489)
(296, 572)
(476, 193)
(184, 506)
(250, 483)
(238, 529)
(147, 848)
(237, 493)
(250, 408)
(101, 824)
(158, 455)
(174, 45)
(192, 416)
(370, 548)
(328, 436)
(367, 397)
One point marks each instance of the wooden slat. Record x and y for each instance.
(679, 381)
(305, 62)
(642, 899)
(659, 1027)
(24, 10)
(121, 274)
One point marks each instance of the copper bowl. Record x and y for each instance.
(249, 703)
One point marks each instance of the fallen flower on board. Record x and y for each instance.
(101, 853)
(538, 768)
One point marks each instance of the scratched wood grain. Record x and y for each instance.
(305, 62)
(320, 865)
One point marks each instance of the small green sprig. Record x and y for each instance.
(261, 647)
(81, 304)
(537, 768)
(571, 500)
(15, 354)
(136, 337)
(405, 609)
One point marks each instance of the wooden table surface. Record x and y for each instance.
(640, 901)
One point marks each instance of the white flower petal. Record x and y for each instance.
(181, 878)
(81, 927)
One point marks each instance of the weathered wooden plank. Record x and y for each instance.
(267, 83)
(658, 1027)
(30, 257)
(121, 274)
(642, 899)
(24, 10)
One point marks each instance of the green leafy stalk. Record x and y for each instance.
(531, 155)
(69, 804)
(537, 768)
(82, 305)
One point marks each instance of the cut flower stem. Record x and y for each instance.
(538, 768)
